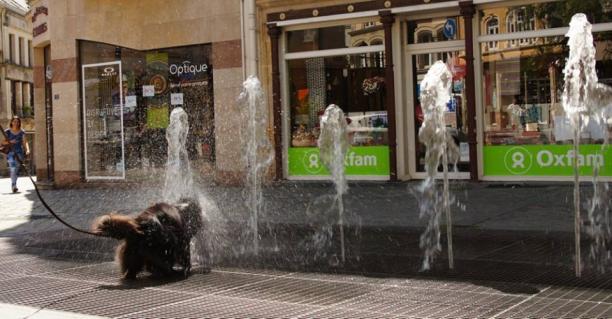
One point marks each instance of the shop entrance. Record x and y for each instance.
(103, 121)
(419, 58)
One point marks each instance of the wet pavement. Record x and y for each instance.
(513, 258)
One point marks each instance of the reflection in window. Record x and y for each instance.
(424, 60)
(369, 24)
(521, 92)
(440, 36)
(492, 28)
(518, 20)
(543, 15)
(424, 36)
(335, 37)
(353, 82)
(432, 30)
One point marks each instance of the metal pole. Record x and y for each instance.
(577, 203)
(449, 220)
(341, 224)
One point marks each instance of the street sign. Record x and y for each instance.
(450, 28)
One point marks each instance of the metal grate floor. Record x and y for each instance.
(94, 289)
(58, 279)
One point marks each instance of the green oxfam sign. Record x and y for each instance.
(546, 160)
(359, 160)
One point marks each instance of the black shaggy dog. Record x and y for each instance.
(156, 240)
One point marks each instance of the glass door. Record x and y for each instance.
(419, 62)
(103, 121)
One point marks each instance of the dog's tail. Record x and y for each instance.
(116, 226)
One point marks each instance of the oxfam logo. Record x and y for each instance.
(311, 162)
(518, 160)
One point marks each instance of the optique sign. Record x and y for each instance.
(186, 68)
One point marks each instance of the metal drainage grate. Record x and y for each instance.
(38, 291)
(35, 266)
(299, 291)
(215, 282)
(114, 301)
(214, 306)
(96, 289)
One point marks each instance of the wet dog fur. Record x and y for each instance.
(156, 240)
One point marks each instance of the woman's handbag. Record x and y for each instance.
(5, 149)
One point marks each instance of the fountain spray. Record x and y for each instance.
(333, 145)
(585, 100)
(258, 153)
(435, 94)
(179, 180)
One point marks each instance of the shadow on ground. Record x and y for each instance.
(512, 261)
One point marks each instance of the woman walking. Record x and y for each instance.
(20, 149)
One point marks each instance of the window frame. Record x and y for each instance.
(20, 50)
(11, 48)
(30, 53)
(285, 56)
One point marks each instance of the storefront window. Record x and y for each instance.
(522, 84)
(522, 91)
(354, 82)
(183, 73)
(336, 37)
(435, 30)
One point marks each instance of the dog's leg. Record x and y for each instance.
(186, 259)
(160, 265)
(120, 257)
(130, 261)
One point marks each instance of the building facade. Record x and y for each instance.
(369, 57)
(16, 87)
(108, 73)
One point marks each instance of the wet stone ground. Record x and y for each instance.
(500, 272)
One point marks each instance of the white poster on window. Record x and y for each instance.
(176, 99)
(450, 118)
(564, 132)
(148, 90)
(130, 101)
(464, 151)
